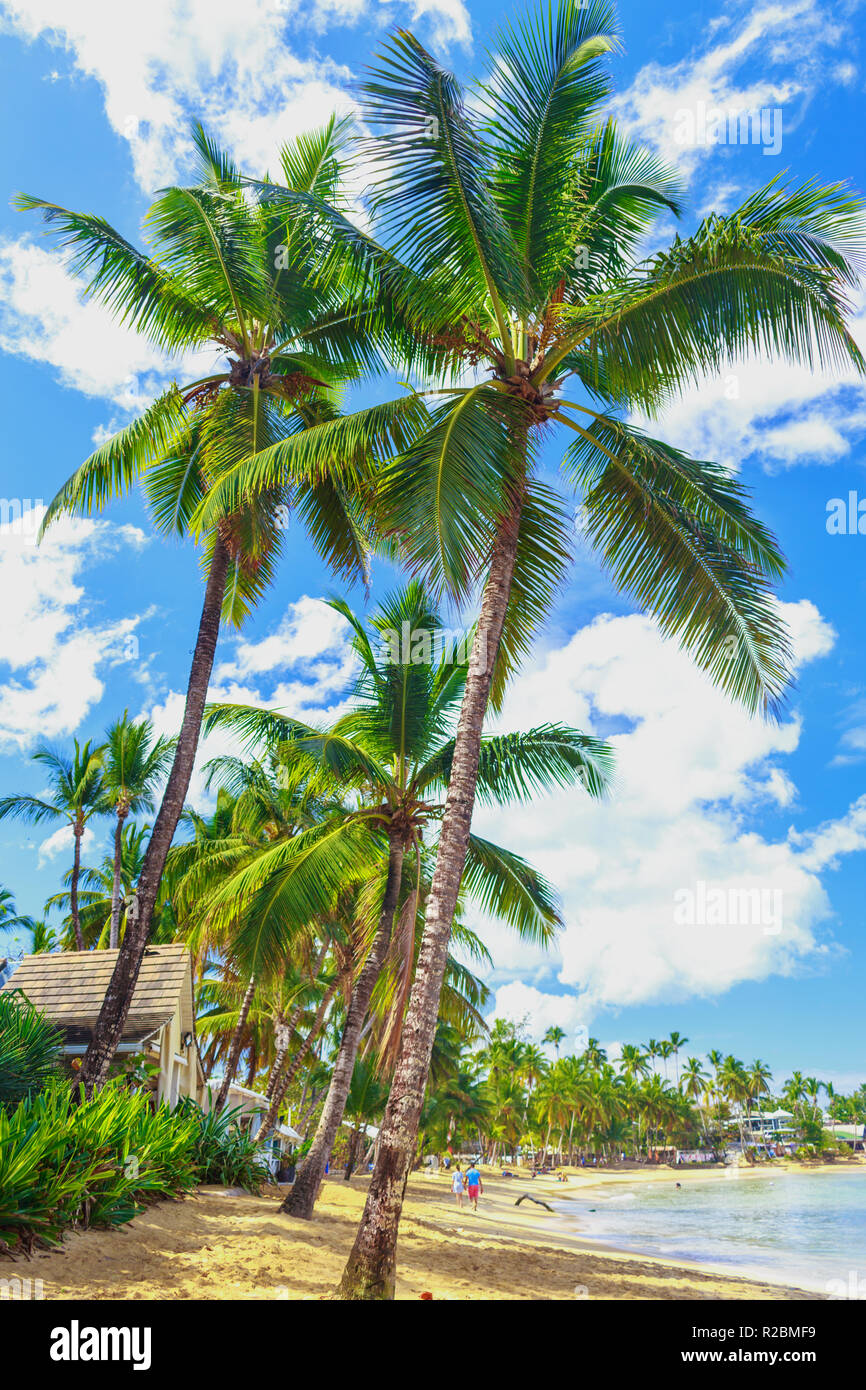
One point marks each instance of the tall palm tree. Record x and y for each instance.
(97, 886)
(666, 1050)
(758, 1078)
(134, 763)
(10, 920)
(396, 746)
(735, 1085)
(677, 1041)
(633, 1061)
(225, 273)
(556, 1037)
(513, 224)
(256, 810)
(76, 792)
(521, 226)
(694, 1085)
(716, 1060)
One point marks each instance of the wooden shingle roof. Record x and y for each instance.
(69, 987)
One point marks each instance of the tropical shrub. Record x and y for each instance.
(224, 1152)
(30, 1049)
(101, 1161)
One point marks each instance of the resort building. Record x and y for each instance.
(159, 1033)
(776, 1124)
(253, 1106)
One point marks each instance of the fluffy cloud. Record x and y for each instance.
(52, 645)
(302, 668)
(61, 842)
(692, 768)
(228, 64)
(44, 318)
(671, 106)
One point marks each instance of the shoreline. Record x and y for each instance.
(696, 1177)
(219, 1244)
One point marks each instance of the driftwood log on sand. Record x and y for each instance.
(537, 1200)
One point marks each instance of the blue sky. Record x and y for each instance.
(103, 616)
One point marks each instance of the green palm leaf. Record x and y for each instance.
(504, 885)
(678, 536)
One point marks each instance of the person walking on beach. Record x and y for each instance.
(474, 1186)
(457, 1187)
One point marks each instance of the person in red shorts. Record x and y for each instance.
(474, 1186)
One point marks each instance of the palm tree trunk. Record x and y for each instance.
(281, 1052)
(288, 1032)
(371, 1268)
(118, 996)
(302, 1198)
(236, 1044)
(292, 1070)
(114, 931)
(77, 832)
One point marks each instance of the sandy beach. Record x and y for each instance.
(222, 1244)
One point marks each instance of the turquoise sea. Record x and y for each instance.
(807, 1229)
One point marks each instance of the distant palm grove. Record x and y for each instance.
(328, 888)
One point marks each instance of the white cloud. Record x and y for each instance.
(779, 413)
(302, 668)
(61, 842)
(691, 769)
(53, 646)
(44, 317)
(310, 632)
(230, 65)
(786, 41)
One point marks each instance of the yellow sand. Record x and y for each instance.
(222, 1245)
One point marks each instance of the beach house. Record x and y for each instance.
(250, 1108)
(159, 1034)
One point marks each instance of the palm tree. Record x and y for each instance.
(633, 1061)
(694, 1085)
(256, 810)
(676, 1042)
(666, 1050)
(365, 1102)
(134, 762)
(395, 745)
(716, 1060)
(76, 790)
(225, 272)
(520, 228)
(97, 887)
(512, 246)
(758, 1078)
(735, 1085)
(11, 920)
(554, 1036)
(594, 1053)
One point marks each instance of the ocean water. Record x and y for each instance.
(807, 1229)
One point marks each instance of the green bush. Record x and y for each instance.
(224, 1152)
(30, 1049)
(99, 1162)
